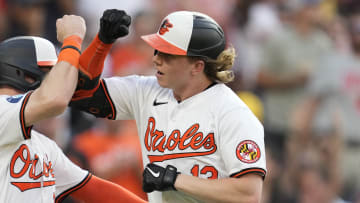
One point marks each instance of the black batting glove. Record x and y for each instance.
(113, 24)
(159, 178)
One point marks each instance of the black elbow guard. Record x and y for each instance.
(99, 104)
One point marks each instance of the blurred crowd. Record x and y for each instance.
(297, 68)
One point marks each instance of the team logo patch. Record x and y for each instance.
(14, 99)
(165, 27)
(248, 151)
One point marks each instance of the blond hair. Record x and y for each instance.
(220, 69)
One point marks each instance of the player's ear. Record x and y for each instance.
(198, 67)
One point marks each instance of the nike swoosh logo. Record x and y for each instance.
(31, 185)
(156, 175)
(158, 103)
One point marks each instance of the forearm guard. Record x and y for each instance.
(97, 103)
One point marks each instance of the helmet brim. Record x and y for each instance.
(160, 44)
(46, 63)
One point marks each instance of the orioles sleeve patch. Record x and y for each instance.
(248, 151)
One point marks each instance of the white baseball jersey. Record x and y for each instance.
(33, 168)
(212, 134)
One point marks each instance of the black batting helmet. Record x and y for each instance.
(22, 56)
(188, 33)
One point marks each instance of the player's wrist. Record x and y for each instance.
(71, 50)
(105, 39)
(100, 43)
(177, 182)
(74, 40)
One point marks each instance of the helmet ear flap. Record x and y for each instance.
(19, 79)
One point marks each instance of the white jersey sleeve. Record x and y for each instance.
(12, 121)
(128, 94)
(69, 177)
(242, 142)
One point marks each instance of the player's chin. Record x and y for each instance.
(161, 80)
(163, 84)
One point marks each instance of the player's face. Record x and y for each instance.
(172, 71)
(44, 69)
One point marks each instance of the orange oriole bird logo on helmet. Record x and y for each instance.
(165, 27)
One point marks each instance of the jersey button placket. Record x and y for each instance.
(173, 114)
(173, 109)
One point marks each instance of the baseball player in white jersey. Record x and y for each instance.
(33, 168)
(200, 142)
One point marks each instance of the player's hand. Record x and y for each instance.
(70, 25)
(113, 24)
(158, 178)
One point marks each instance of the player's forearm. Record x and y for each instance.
(113, 24)
(57, 88)
(52, 97)
(92, 59)
(55, 92)
(246, 189)
(91, 64)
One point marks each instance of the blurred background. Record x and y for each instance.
(297, 68)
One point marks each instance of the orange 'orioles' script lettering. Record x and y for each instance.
(156, 140)
(29, 165)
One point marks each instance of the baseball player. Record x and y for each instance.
(33, 168)
(200, 142)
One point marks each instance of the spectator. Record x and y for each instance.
(289, 58)
(333, 106)
(26, 17)
(256, 22)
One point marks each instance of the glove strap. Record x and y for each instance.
(170, 177)
(70, 51)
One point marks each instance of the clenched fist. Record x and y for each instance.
(113, 24)
(70, 25)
